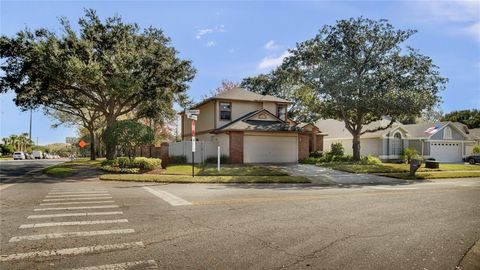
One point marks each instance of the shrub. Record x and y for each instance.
(336, 149)
(138, 164)
(310, 160)
(178, 159)
(109, 168)
(409, 153)
(476, 149)
(224, 159)
(370, 160)
(7, 149)
(345, 158)
(316, 154)
(128, 135)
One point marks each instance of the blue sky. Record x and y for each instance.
(232, 40)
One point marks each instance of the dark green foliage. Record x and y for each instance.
(128, 135)
(110, 68)
(127, 165)
(470, 118)
(370, 160)
(336, 149)
(356, 71)
(177, 159)
(409, 153)
(316, 154)
(7, 149)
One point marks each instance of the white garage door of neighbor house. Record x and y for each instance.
(266, 149)
(446, 152)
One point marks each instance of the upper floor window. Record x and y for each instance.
(225, 111)
(447, 133)
(282, 112)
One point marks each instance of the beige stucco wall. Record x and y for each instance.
(371, 146)
(239, 109)
(206, 119)
(266, 117)
(271, 107)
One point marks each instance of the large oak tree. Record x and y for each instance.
(111, 67)
(358, 71)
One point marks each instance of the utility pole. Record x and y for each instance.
(30, 131)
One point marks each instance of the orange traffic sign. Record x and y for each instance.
(82, 143)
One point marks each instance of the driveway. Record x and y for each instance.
(327, 176)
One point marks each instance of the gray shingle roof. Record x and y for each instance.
(474, 134)
(336, 129)
(243, 123)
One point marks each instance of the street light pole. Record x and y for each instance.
(30, 131)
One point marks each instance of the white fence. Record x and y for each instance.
(203, 150)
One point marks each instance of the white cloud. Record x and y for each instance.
(211, 43)
(458, 11)
(473, 30)
(216, 29)
(203, 32)
(272, 62)
(271, 45)
(232, 50)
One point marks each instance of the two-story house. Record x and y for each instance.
(251, 128)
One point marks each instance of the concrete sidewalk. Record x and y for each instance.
(326, 176)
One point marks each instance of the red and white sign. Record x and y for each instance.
(193, 128)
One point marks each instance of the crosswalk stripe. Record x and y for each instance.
(69, 251)
(76, 199)
(76, 192)
(150, 264)
(168, 197)
(76, 214)
(62, 203)
(5, 186)
(77, 195)
(75, 208)
(68, 234)
(72, 223)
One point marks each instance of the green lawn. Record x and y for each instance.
(402, 170)
(203, 179)
(226, 170)
(6, 158)
(209, 174)
(433, 175)
(68, 168)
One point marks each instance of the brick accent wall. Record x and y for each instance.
(303, 144)
(236, 147)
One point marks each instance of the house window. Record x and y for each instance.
(397, 144)
(282, 112)
(225, 111)
(447, 133)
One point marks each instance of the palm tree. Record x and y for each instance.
(14, 141)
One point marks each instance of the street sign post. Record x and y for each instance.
(193, 148)
(196, 112)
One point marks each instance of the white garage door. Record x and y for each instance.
(446, 152)
(266, 149)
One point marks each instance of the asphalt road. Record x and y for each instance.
(142, 226)
(12, 169)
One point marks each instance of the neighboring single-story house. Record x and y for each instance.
(251, 128)
(445, 141)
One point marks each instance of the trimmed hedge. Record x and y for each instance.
(126, 165)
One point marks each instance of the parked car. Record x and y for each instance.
(37, 154)
(472, 159)
(18, 155)
(28, 156)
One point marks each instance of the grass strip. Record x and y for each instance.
(431, 175)
(203, 179)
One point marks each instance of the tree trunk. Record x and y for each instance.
(93, 155)
(356, 147)
(109, 146)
